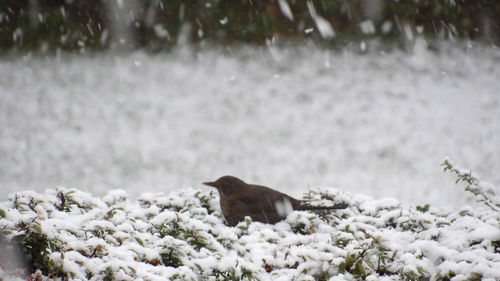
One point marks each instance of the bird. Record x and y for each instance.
(261, 203)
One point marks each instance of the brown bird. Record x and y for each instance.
(239, 199)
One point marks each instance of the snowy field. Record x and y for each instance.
(378, 124)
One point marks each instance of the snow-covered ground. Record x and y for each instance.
(378, 124)
(71, 235)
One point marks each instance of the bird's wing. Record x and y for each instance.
(267, 197)
(260, 203)
(251, 201)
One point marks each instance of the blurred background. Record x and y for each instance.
(367, 96)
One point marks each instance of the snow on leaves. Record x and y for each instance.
(67, 233)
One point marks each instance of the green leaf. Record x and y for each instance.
(2, 213)
(464, 213)
(342, 267)
(423, 208)
(19, 238)
(359, 269)
(475, 276)
(496, 245)
(37, 228)
(349, 260)
(139, 241)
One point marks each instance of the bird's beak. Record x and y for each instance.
(212, 184)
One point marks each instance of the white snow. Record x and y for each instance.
(377, 124)
(182, 242)
(285, 9)
(386, 27)
(161, 32)
(324, 27)
(367, 27)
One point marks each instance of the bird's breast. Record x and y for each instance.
(225, 207)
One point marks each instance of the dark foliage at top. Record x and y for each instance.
(160, 24)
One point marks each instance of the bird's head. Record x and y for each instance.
(227, 185)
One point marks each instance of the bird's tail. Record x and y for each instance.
(305, 206)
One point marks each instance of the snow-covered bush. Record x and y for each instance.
(69, 234)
